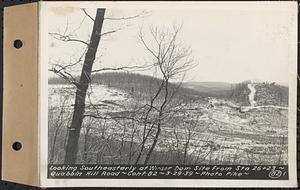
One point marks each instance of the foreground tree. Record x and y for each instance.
(82, 86)
(171, 59)
(65, 71)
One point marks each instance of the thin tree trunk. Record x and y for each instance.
(79, 107)
(57, 129)
(161, 110)
(85, 146)
(52, 151)
(186, 147)
(145, 136)
(153, 144)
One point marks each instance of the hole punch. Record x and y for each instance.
(18, 44)
(17, 146)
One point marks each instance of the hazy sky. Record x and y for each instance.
(231, 42)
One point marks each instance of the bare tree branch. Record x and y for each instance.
(141, 14)
(66, 38)
(147, 46)
(88, 15)
(65, 75)
(122, 68)
(110, 32)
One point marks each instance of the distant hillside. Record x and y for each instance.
(208, 86)
(143, 86)
(215, 89)
(266, 93)
(271, 94)
(138, 85)
(237, 92)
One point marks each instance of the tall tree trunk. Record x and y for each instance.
(79, 106)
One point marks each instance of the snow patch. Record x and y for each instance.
(252, 94)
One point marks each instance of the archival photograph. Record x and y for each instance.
(178, 86)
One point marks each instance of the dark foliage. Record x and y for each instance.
(271, 94)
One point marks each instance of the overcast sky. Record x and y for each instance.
(230, 42)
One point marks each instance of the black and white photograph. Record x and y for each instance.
(206, 84)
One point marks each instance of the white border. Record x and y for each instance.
(43, 101)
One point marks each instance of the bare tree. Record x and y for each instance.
(88, 57)
(59, 122)
(171, 59)
(82, 86)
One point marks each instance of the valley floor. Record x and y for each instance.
(205, 131)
